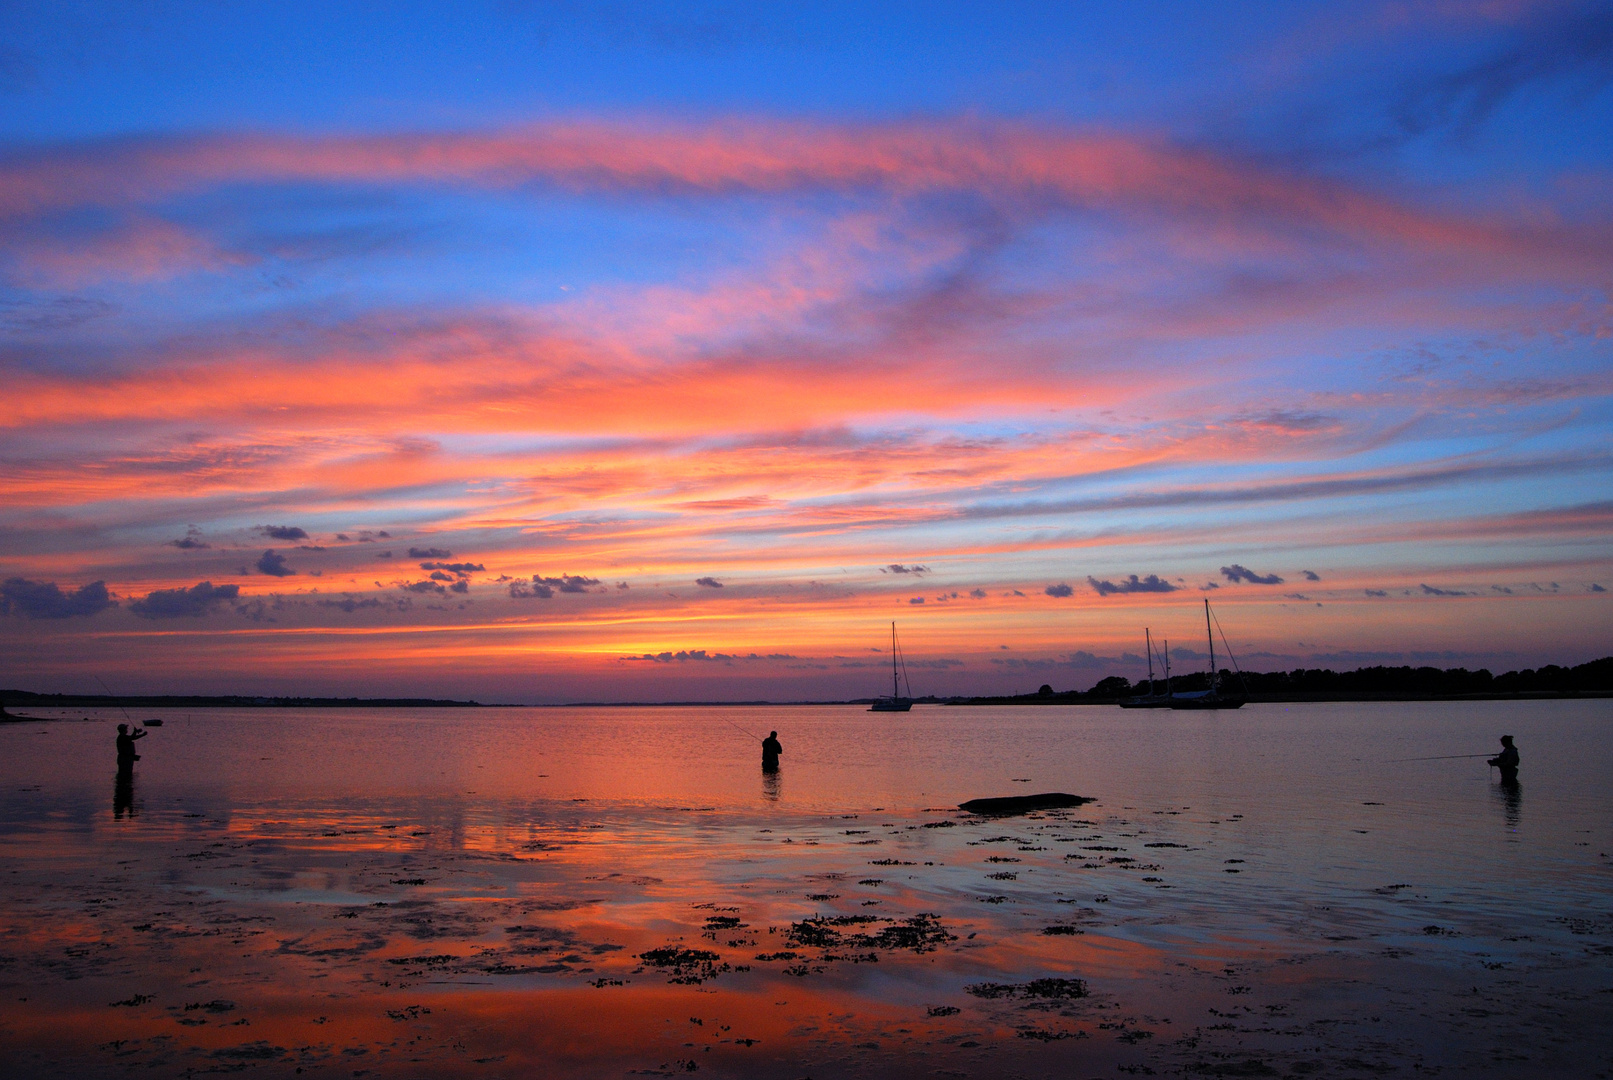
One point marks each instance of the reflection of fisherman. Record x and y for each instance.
(126, 743)
(1507, 761)
(770, 752)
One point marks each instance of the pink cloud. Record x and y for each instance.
(142, 249)
(1014, 165)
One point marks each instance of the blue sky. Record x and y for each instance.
(782, 297)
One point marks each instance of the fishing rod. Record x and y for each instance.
(736, 727)
(115, 699)
(1441, 757)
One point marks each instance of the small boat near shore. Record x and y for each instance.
(896, 702)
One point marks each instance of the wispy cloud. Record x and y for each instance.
(1008, 161)
(1572, 47)
(1012, 348)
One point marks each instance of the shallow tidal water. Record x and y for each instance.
(620, 892)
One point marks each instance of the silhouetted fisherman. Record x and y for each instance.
(126, 743)
(1507, 761)
(770, 752)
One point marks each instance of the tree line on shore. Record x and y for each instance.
(1593, 677)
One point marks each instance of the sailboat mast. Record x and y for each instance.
(1167, 667)
(1211, 638)
(1150, 642)
(895, 686)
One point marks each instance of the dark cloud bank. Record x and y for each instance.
(44, 600)
(273, 563)
(1153, 583)
(1236, 573)
(179, 603)
(543, 588)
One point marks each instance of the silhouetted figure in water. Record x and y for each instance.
(1507, 761)
(770, 752)
(126, 744)
(123, 789)
(772, 786)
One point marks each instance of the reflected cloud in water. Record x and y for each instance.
(571, 920)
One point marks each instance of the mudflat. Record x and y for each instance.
(554, 893)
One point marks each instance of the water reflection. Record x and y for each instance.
(543, 902)
(1510, 794)
(123, 791)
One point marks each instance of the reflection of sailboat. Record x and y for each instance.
(1153, 699)
(1212, 698)
(896, 702)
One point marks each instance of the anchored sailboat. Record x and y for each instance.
(896, 702)
(1213, 698)
(1153, 699)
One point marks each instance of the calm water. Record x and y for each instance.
(426, 892)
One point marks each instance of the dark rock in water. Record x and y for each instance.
(1022, 804)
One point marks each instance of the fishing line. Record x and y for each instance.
(1441, 757)
(736, 727)
(115, 699)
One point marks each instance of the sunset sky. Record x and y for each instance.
(540, 353)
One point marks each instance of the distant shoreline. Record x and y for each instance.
(1075, 697)
(21, 699)
(28, 699)
(1591, 680)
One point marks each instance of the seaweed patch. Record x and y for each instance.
(688, 966)
(1036, 988)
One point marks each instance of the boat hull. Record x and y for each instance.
(1208, 703)
(891, 705)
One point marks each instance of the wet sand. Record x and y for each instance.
(463, 934)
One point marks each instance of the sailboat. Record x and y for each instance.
(1212, 698)
(896, 702)
(1153, 699)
